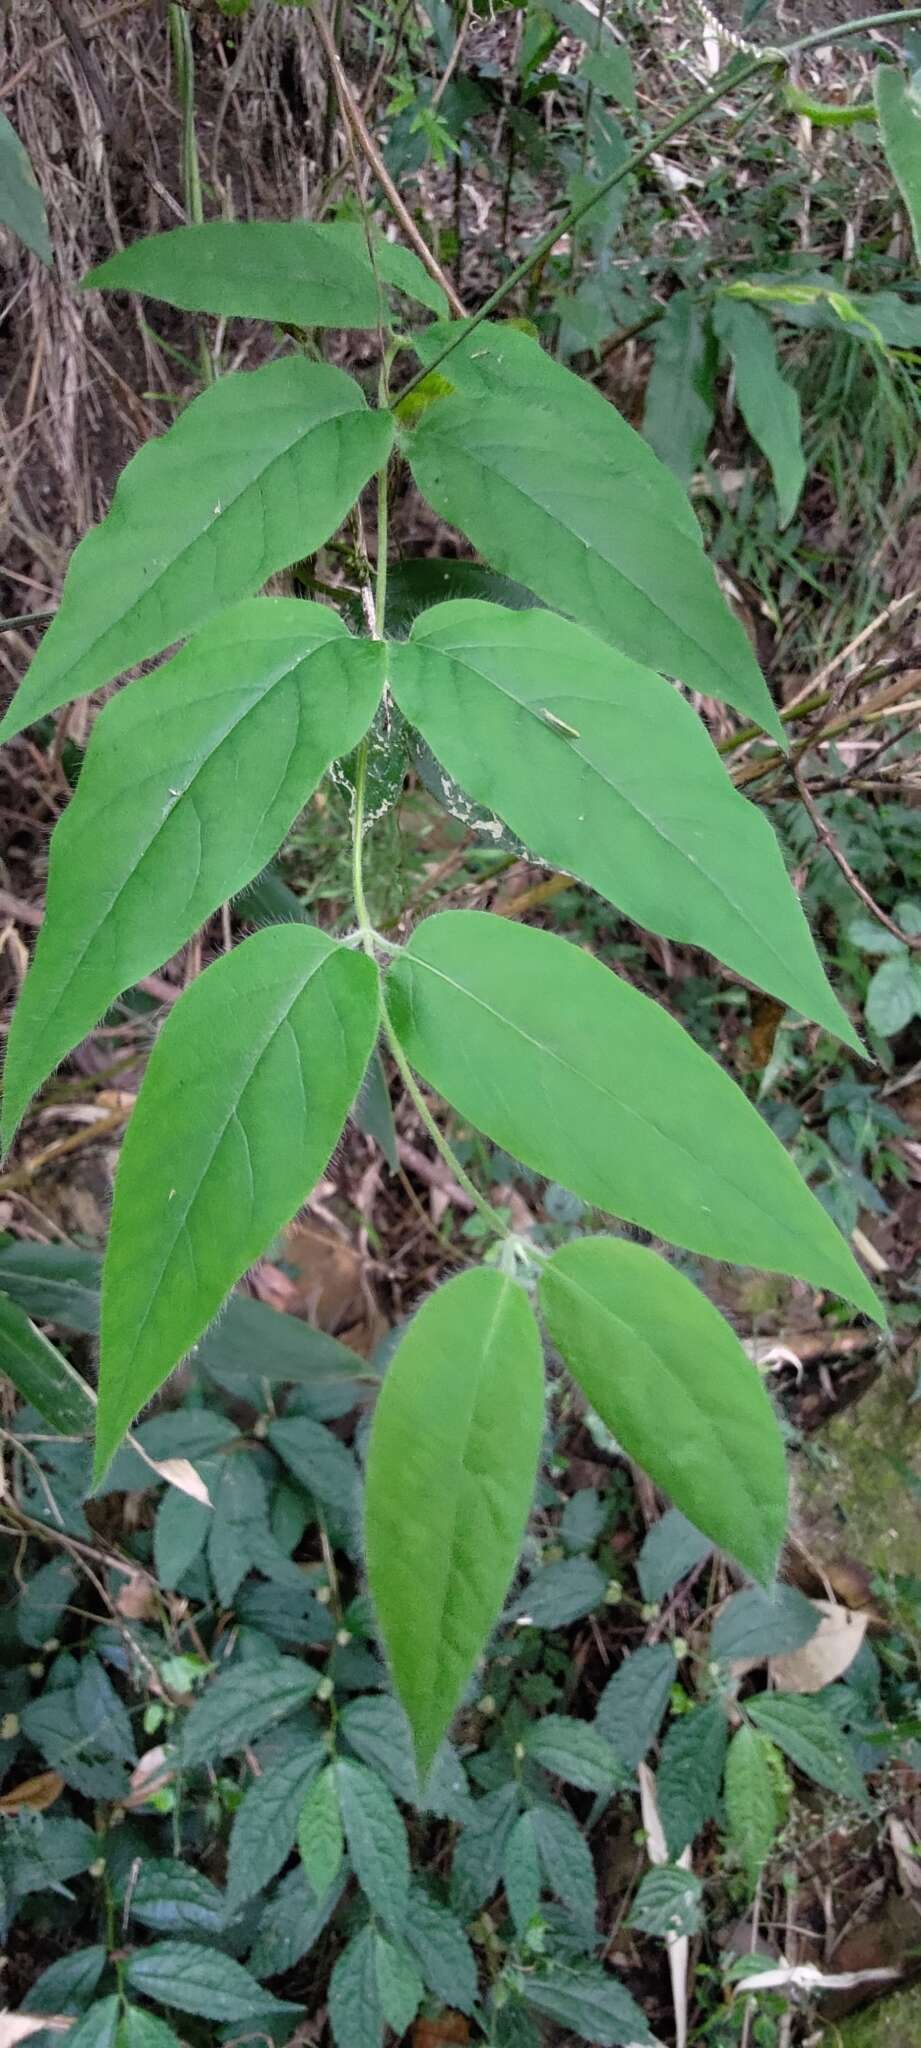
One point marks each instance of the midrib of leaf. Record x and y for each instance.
(630, 803)
(183, 1216)
(661, 1368)
(450, 1574)
(578, 1074)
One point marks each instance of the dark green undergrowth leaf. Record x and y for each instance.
(810, 1736)
(668, 1902)
(768, 402)
(763, 1624)
(560, 1593)
(319, 1832)
(376, 1840)
(572, 1750)
(669, 1550)
(22, 207)
(241, 1703)
(680, 399)
(588, 2002)
(689, 1774)
(265, 1823)
(633, 1703)
(201, 1981)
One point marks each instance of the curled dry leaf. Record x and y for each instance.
(151, 1773)
(906, 1852)
(177, 1472)
(805, 1977)
(828, 1653)
(677, 1945)
(17, 2026)
(34, 1795)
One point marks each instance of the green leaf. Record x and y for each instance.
(174, 1898)
(41, 1375)
(507, 1024)
(43, 1600)
(768, 402)
(610, 71)
(316, 1457)
(245, 1095)
(234, 734)
(295, 272)
(763, 1624)
(238, 1527)
(639, 1337)
(60, 1284)
(101, 1714)
(141, 2029)
(574, 1751)
(668, 1902)
(601, 768)
(98, 2027)
(67, 1985)
(256, 473)
(292, 1921)
(689, 1774)
(810, 1736)
(750, 1791)
(180, 1533)
(900, 125)
(22, 207)
(319, 1832)
(376, 1728)
(583, 1519)
(632, 1706)
(555, 489)
(201, 1981)
(588, 2002)
(450, 1478)
(680, 399)
(478, 1855)
(567, 1863)
(242, 1703)
(894, 995)
(560, 1593)
(521, 1874)
(376, 1839)
(442, 1951)
(670, 1549)
(355, 2013)
(51, 1723)
(265, 1824)
(400, 1987)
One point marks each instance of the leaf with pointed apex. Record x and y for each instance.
(586, 2001)
(555, 489)
(575, 1751)
(601, 768)
(355, 2012)
(680, 398)
(203, 1981)
(899, 111)
(319, 1832)
(441, 1949)
(399, 1984)
(585, 1080)
(265, 1823)
(751, 1790)
(376, 1839)
(245, 1095)
(670, 1549)
(808, 1734)
(232, 736)
(641, 1340)
(768, 402)
(241, 1704)
(632, 1706)
(521, 1873)
(450, 1478)
(689, 1774)
(299, 273)
(257, 472)
(22, 207)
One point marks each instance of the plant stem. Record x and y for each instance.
(440, 1142)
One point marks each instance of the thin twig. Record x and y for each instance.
(827, 838)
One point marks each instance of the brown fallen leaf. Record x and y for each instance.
(151, 1773)
(826, 1655)
(34, 1795)
(137, 1599)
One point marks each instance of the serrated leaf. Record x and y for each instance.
(238, 1526)
(900, 125)
(355, 2011)
(442, 1951)
(810, 1736)
(583, 1519)
(680, 400)
(560, 1593)
(689, 1774)
(601, 768)
(567, 1862)
(201, 1981)
(52, 1724)
(507, 1022)
(478, 1854)
(521, 1874)
(752, 1805)
(763, 1624)
(98, 2027)
(632, 1706)
(588, 2002)
(264, 1827)
(636, 1334)
(234, 734)
(68, 1984)
(399, 1984)
(256, 473)
(180, 1533)
(298, 272)
(450, 1477)
(141, 2029)
(376, 1728)
(101, 1714)
(575, 1751)
(894, 995)
(244, 1097)
(668, 1903)
(292, 1921)
(22, 207)
(670, 1549)
(316, 1457)
(376, 1839)
(174, 1898)
(43, 1599)
(319, 1832)
(242, 1703)
(556, 490)
(41, 1374)
(768, 402)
